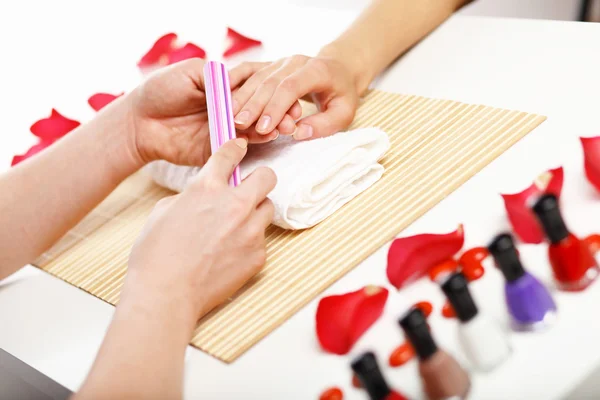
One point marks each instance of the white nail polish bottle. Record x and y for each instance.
(482, 340)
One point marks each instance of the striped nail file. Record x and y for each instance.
(220, 111)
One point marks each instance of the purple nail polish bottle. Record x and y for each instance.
(528, 300)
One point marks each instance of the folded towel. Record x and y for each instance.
(314, 178)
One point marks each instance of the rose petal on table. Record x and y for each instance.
(100, 100)
(471, 263)
(159, 49)
(342, 319)
(517, 205)
(239, 43)
(186, 52)
(53, 127)
(591, 156)
(395, 396)
(425, 306)
(401, 355)
(448, 310)
(412, 257)
(31, 152)
(333, 393)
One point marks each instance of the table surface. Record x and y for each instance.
(544, 67)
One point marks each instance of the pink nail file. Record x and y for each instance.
(220, 110)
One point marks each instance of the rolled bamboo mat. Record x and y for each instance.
(437, 145)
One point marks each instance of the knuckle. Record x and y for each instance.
(298, 59)
(288, 84)
(237, 205)
(320, 67)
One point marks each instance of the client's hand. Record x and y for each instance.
(202, 245)
(266, 97)
(169, 118)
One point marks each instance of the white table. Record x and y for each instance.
(545, 67)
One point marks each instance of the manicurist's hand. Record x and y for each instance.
(206, 242)
(270, 96)
(196, 250)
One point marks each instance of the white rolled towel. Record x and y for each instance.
(314, 178)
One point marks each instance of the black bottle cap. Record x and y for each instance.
(548, 213)
(417, 331)
(456, 290)
(367, 370)
(503, 249)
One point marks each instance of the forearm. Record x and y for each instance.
(384, 31)
(45, 196)
(142, 356)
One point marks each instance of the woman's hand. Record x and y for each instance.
(274, 90)
(169, 117)
(202, 245)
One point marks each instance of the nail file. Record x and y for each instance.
(220, 110)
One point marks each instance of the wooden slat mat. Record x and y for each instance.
(437, 145)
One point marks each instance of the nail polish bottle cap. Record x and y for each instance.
(503, 249)
(456, 290)
(548, 213)
(417, 331)
(367, 370)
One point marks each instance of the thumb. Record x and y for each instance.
(336, 117)
(222, 163)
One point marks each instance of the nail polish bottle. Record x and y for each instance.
(482, 340)
(573, 264)
(441, 375)
(366, 368)
(529, 303)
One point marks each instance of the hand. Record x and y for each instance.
(203, 244)
(266, 97)
(169, 116)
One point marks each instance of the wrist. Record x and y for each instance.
(356, 61)
(115, 132)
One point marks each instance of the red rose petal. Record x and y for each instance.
(591, 155)
(401, 355)
(54, 127)
(159, 49)
(517, 205)
(342, 319)
(444, 268)
(31, 152)
(239, 43)
(186, 52)
(426, 307)
(471, 263)
(333, 393)
(412, 257)
(101, 100)
(448, 311)
(593, 242)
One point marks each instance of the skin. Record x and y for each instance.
(196, 250)
(202, 245)
(340, 73)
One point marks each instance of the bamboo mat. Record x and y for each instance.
(437, 145)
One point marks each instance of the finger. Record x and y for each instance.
(242, 72)
(296, 111)
(254, 137)
(337, 116)
(245, 92)
(287, 126)
(222, 163)
(258, 185)
(305, 80)
(251, 111)
(264, 214)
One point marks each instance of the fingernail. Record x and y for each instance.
(242, 117)
(241, 143)
(276, 135)
(263, 124)
(303, 132)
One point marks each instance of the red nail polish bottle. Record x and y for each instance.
(573, 264)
